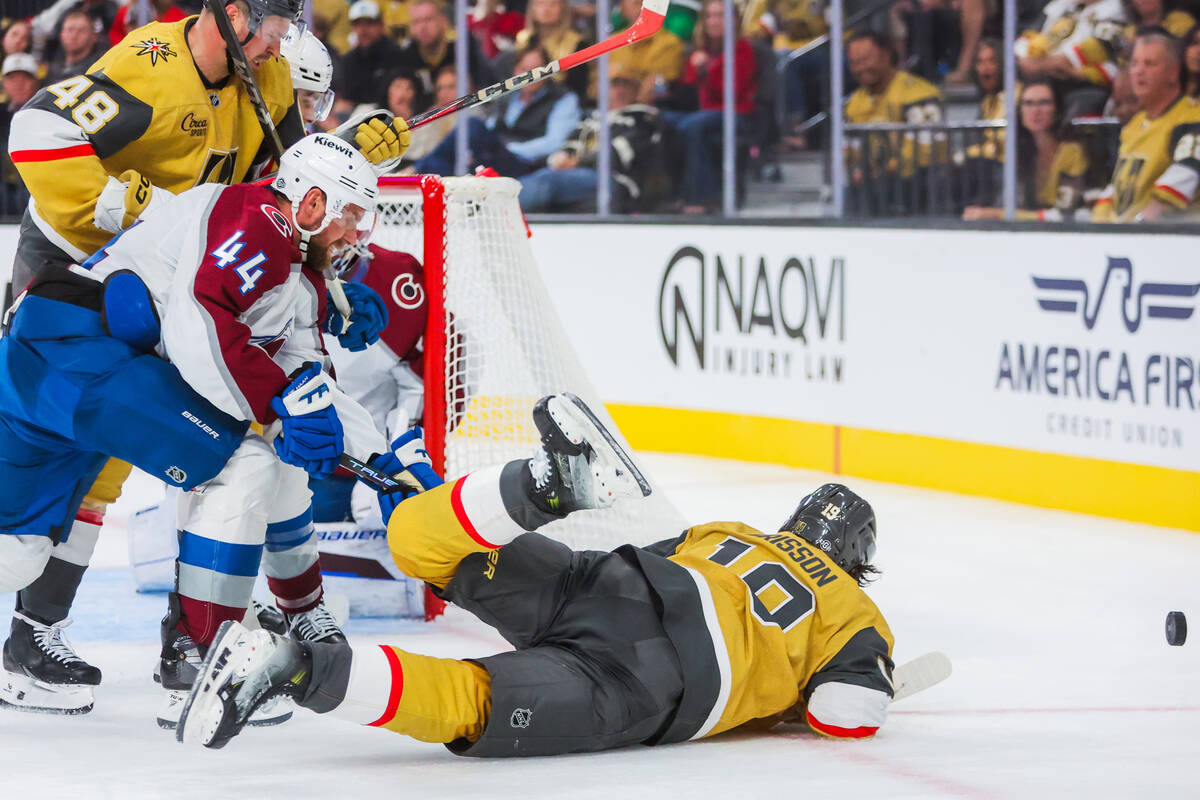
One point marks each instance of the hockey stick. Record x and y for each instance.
(649, 21)
(241, 66)
(919, 674)
(377, 479)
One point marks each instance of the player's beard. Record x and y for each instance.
(317, 257)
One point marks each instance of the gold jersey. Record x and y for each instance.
(783, 608)
(766, 626)
(1061, 188)
(142, 106)
(1159, 159)
(907, 99)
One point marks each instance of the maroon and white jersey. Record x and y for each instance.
(239, 313)
(386, 377)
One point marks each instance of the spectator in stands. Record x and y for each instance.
(1110, 58)
(981, 173)
(1074, 46)
(1191, 62)
(1122, 103)
(365, 70)
(887, 94)
(427, 137)
(655, 62)
(550, 24)
(142, 12)
(430, 48)
(47, 25)
(941, 36)
(1050, 171)
(79, 47)
(698, 130)
(569, 179)
(1158, 165)
(532, 124)
(786, 26)
(17, 38)
(18, 76)
(495, 27)
(331, 24)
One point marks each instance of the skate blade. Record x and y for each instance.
(22, 693)
(573, 407)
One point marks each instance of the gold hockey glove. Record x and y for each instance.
(381, 142)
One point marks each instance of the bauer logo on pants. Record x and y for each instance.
(521, 717)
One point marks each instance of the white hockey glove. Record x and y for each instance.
(125, 199)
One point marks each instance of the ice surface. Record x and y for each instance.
(1064, 685)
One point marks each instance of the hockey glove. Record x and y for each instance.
(312, 433)
(409, 463)
(368, 318)
(125, 199)
(382, 142)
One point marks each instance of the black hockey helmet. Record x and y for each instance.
(261, 9)
(839, 522)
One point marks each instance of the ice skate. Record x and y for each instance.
(245, 671)
(315, 625)
(178, 665)
(580, 465)
(42, 672)
(269, 618)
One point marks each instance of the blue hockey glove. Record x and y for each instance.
(368, 318)
(409, 463)
(312, 433)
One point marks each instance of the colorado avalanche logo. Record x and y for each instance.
(406, 292)
(277, 219)
(156, 49)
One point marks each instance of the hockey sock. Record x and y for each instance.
(290, 562)
(430, 699)
(49, 598)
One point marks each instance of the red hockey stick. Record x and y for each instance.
(647, 24)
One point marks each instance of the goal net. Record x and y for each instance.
(494, 344)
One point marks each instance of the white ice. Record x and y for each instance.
(1063, 682)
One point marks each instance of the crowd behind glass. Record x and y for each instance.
(1108, 127)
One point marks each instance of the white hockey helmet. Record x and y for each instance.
(312, 69)
(337, 169)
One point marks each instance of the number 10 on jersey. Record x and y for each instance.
(248, 270)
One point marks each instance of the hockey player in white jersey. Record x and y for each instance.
(312, 74)
(161, 350)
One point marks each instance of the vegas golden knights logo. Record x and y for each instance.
(218, 168)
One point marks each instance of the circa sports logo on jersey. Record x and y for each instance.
(277, 219)
(778, 316)
(156, 49)
(193, 126)
(1113, 307)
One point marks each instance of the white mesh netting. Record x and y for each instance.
(506, 347)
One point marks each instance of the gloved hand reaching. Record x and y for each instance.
(312, 433)
(368, 317)
(409, 463)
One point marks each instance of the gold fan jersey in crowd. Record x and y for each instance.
(1159, 160)
(143, 106)
(908, 99)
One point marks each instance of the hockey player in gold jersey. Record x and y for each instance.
(1158, 164)
(722, 626)
(157, 114)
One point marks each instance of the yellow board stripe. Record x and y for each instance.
(1136, 492)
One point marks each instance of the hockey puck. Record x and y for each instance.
(1176, 628)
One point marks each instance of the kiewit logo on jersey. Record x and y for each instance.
(156, 49)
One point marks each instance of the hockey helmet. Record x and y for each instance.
(337, 169)
(839, 522)
(312, 68)
(261, 9)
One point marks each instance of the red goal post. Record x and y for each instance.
(493, 341)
